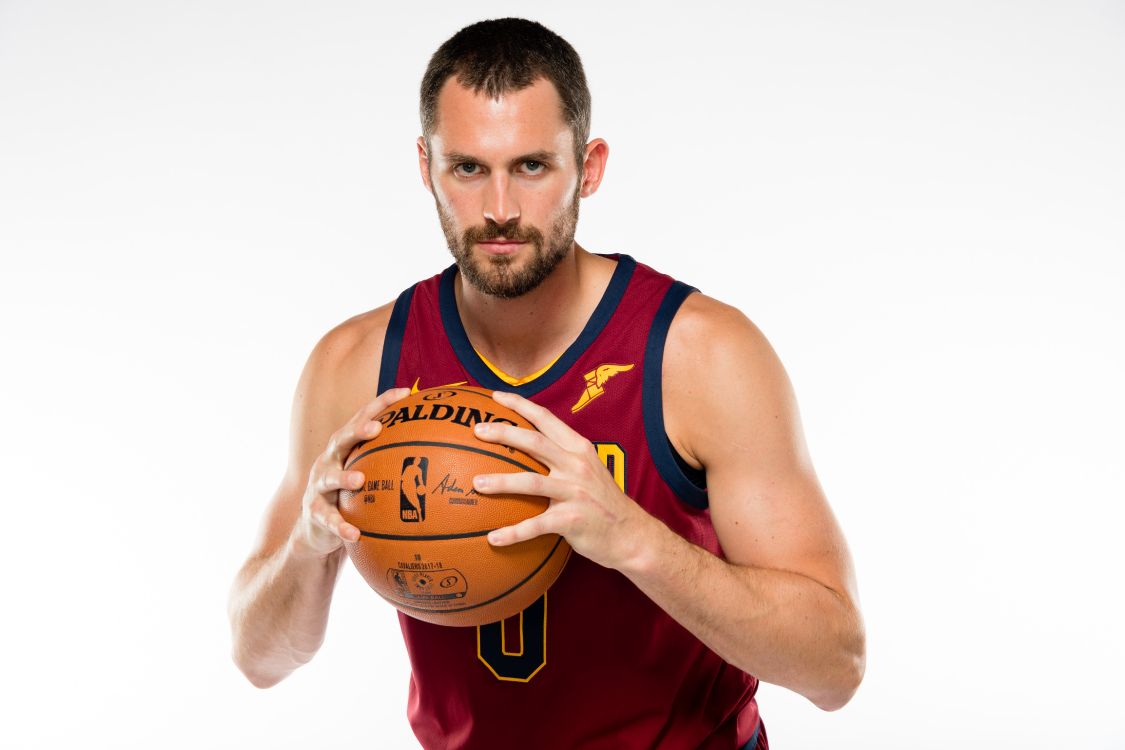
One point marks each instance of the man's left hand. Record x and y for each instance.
(586, 506)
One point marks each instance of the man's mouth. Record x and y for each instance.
(500, 246)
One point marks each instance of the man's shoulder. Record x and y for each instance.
(705, 328)
(714, 352)
(344, 364)
(356, 336)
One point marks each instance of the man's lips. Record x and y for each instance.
(500, 246)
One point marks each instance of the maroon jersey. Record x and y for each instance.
(594, 663)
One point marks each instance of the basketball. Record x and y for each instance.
(423, 542)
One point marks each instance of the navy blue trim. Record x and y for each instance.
(698, 477)
(653, 402)
(480, 372)
(392, 342)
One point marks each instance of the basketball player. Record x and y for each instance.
(707, 556)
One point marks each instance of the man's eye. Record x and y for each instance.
(534, 166)
(466, 168)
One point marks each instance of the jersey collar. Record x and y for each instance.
(470, 360)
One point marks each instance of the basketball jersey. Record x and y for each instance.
(594, 663)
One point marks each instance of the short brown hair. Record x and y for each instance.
(503, 55)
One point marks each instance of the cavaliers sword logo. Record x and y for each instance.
(595, 383)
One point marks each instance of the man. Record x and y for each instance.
(707, 556)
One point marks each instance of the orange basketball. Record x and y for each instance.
(423, 544)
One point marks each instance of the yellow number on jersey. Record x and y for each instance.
(511, 665)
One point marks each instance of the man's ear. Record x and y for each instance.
(593, 169)
(424, 163)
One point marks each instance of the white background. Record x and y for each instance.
(921, 204)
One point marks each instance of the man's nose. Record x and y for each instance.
(500, 203)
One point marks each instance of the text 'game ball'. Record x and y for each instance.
(423, 544)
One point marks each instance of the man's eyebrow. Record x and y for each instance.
(543, 156)
(458, 156)
(546, 156)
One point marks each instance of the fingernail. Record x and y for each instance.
(493, 537)
(482, 428)
(481, 482)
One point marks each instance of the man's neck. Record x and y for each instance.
(522, 335)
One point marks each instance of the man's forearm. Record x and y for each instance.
(279, 611)
(782, 627)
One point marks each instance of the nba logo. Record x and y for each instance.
(412, 489)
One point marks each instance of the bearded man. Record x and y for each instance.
(712, 561)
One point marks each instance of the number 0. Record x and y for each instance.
(521, 663)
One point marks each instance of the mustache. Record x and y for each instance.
(510, 231)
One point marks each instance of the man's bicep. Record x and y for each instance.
(778, 521)
(767, 507)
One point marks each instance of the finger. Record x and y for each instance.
(345, 439)
(377, 405)
(362, 435)
(337, 479)
(362, 426)
(383, 400)
(546, 422)
(330, 519)
(533, 443)
(518, 483)
(522, 531)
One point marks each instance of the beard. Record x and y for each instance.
(499, 276)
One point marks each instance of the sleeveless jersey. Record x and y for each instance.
(594, 663)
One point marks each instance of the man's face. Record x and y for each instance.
(506, 185)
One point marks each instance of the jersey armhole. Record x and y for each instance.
(392, 341)
(663, 453)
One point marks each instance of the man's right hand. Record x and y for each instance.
(321, 530)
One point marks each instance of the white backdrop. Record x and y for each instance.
(921, 204)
